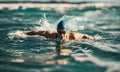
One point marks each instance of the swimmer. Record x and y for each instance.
(61, 33)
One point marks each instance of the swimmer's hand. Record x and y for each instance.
(88, 37)
(18, 34)
(23, 33)
(92, 38)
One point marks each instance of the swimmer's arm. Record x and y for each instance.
(35, 32)
(85, 36)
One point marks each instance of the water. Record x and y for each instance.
(21, 53)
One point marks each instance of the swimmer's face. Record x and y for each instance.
(61, 31)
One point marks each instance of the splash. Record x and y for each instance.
(97, 37)
(74, 25)
(44, 24)
(16, 34)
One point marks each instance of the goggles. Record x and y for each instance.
(61, 32)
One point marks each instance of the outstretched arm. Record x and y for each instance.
(77, 36)
(35, 32)
(88, 37)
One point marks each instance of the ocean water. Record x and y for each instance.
(22, 53)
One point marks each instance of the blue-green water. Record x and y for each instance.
(19, 53)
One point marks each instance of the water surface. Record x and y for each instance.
(21, 53)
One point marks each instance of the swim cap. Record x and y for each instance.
(61, 25)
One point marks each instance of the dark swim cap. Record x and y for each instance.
(61, 25)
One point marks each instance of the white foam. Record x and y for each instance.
(45, 25)
(73, 23)
(17, 34)
(97, 37)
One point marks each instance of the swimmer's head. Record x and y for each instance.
(61, 27)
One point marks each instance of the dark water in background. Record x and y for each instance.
(35, 54)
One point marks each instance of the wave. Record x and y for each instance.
(31, 7)
(111, 66)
